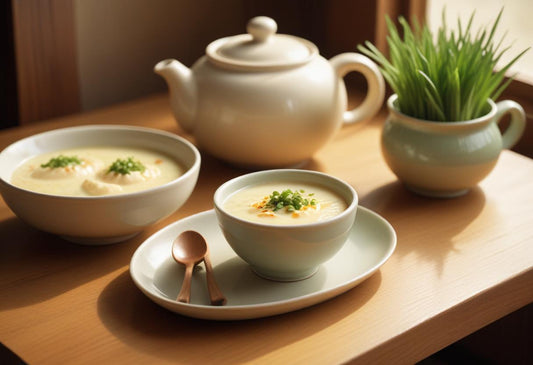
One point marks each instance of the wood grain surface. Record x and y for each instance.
(460, 264)
(46, 59)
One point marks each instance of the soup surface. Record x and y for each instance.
(93, 171)
(284, 203)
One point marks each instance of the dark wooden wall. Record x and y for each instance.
(44, 79)
(8, 77)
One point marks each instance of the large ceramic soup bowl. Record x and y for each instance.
(97, 184)
(285, 223)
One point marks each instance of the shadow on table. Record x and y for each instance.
(211, 162)
(429, 225)
(146, 327)
(36, 266)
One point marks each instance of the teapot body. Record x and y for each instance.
(266, 100)
(265, 118)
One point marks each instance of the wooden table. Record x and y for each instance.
(459, 265)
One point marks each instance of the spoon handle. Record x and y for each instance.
(215, 295)
(184, 295)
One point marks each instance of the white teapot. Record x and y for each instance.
(267, 100)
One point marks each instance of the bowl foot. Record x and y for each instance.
(275, 276)
(437, 193)
(98, 241)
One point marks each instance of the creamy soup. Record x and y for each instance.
(284, 203)
(96, 171)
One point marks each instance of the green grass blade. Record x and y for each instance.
(444, 76)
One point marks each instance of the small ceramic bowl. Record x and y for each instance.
(447, 159)
(102, 219)
(288, 252)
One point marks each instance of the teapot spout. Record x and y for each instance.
(182, 90)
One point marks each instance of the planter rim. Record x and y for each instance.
(484, 118)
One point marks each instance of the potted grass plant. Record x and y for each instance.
(442, 137)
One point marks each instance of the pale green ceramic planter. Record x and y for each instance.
(446, 159)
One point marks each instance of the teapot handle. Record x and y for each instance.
(348, 62)
(517, 125)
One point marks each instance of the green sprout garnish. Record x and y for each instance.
(446, 75)
(125, 167)
(291, 200)
(61, 161)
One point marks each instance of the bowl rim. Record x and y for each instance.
(190, 171)
(218, 200)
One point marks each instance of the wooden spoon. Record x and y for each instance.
(189, 248)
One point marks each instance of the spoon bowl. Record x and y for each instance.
(190, 248)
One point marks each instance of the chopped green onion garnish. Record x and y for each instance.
(125, 167)
(61, 161)
(292, 200)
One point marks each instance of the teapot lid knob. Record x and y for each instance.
(261, 28)
(261, 48)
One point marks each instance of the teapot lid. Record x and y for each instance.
(261, 48)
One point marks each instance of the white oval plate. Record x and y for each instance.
(371, 242)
